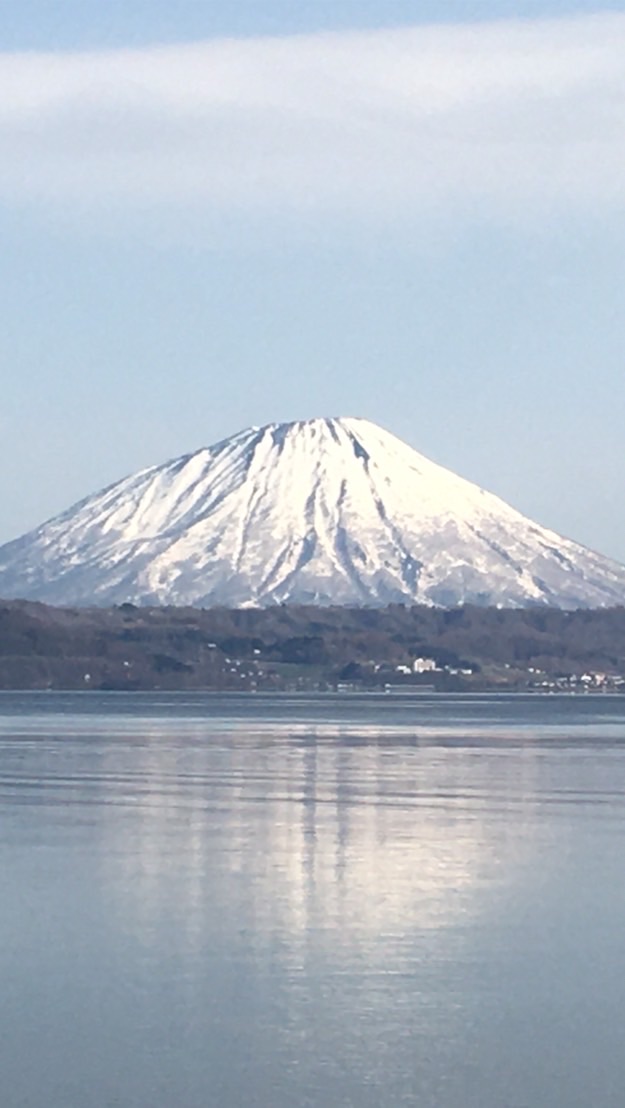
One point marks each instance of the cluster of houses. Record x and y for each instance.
(573, 682)
(428, 665)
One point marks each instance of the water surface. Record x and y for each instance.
(311, 901)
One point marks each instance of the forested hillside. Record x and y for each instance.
(290, 647)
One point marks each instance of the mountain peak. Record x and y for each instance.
(326, 510)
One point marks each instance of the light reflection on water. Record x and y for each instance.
(312, 901)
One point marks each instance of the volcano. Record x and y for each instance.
(321, 511)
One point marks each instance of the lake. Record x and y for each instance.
(327, 901)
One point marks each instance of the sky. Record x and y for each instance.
(218, 215)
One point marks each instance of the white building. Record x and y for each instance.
(424, 665)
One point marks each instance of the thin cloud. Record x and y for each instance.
(504, 116)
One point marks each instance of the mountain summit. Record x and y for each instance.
(323, 511)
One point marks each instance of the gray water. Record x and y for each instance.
(328, 902)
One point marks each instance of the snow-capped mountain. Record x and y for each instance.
(320, 511)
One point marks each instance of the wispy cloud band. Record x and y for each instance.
(505, 115)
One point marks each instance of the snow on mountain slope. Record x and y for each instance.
(320, 511)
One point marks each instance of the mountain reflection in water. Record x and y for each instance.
(312, 902)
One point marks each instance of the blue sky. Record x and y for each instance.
(422, 225)
(71, 24)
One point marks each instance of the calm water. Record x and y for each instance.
(328, 902)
